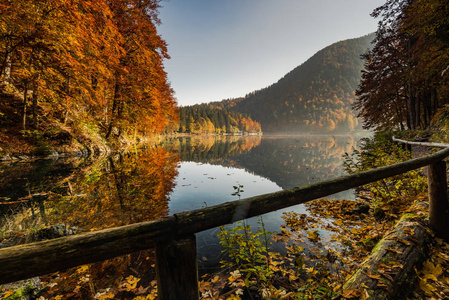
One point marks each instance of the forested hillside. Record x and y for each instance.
(79, 72)
(316, 96)
(207, 118)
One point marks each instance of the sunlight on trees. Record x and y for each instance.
(87, 61)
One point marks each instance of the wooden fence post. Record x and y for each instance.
(438, 200)
(177, 269)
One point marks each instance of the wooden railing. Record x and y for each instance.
(174, 236)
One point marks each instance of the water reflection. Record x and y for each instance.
(211, 148)
(118, 190)
(201, 185)
(178, 174)
(287, 161)
(262, 165)
(20, 179)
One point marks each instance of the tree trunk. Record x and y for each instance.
(389, 271)
(408, 113)
(435, 99)
(25, 98)
(8, 64)
(35, 98)
(115, 103)
(68, 93)
(34, 108)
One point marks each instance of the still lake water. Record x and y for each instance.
(172, 176)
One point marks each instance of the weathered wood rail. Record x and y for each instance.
(173, 236)
(436, 145)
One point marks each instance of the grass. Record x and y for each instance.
(20, 226)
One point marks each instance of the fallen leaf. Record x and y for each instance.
(351, 293)
(393, 250)
(374, 276)
(426, 287)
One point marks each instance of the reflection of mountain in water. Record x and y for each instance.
(287, 161)
(211, 148)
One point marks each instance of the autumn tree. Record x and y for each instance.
(98, 62)
(141, 91)
(404, 82)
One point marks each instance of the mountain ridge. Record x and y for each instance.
(316, 96)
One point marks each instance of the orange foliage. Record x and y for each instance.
(97, 59)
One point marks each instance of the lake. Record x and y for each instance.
(171, 176)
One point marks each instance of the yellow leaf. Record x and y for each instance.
(106, 296)
(373, 276)
(338, 222)
(393, 250)
(8, 293)
(274, 268)
(336, 288)
(292, 277)
(351, 293)
(425, 287)
(395, 264)
(404, 241)
(430, 268)
(313, 235)
(82, 269)
(430, 276)
(131, 283)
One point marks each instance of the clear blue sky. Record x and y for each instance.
(227, 48)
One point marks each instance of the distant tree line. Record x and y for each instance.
(405, 84)
(207, 118)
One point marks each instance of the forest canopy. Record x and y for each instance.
(94, 64)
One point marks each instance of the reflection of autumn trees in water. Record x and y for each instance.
(120, 190)
(287, 161)
(128, 188)
(211, 148)
(19, 179)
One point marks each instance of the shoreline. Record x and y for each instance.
(96, 150)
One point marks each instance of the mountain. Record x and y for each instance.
(314, 97)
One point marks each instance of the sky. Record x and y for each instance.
(223, 49)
